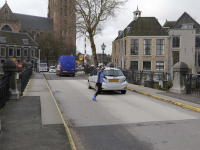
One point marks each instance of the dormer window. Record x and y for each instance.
(187, 26)
(190, 26)
(2, 39)
(25, 41)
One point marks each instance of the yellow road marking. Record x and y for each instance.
(66, 126)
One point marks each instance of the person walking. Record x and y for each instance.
(99, 81)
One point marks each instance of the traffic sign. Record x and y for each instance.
(80, 58)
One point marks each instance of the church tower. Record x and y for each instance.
(64, 21)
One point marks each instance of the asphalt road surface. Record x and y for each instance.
(123, 122)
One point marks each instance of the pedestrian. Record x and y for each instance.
(99, 81)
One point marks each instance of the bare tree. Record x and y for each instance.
(95, 13)
(51, 46)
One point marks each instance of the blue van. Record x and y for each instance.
(66, 66)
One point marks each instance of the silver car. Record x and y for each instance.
(52, 69)
(115, 80)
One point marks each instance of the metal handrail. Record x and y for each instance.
(4, 89)
(25, 77)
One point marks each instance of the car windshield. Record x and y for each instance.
(113, 73)
(52, 67)
(43, 65)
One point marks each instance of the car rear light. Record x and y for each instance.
(125, 88)
(60, 68)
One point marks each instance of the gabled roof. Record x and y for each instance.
(169, 24)
(186, 18)
(10, 14)
(16, 38)
(144, 26)
(35, 22)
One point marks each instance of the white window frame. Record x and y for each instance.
(134, 44)
(0, 51)
(9, 52)
(163, 66)
(20, 52)
(2, 40)
(179, 42)
(135, 61)
(33, 53)
(143, 66)
(24, 52)
(160, 49)
(144, 48)
(25, 40)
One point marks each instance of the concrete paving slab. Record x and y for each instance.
(22, 129)
(49, 112)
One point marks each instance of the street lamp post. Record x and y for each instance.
(39, 62)
(103, 48)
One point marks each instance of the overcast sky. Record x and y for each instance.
(161, 9)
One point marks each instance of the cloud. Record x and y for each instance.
(161, 9)
(29, 7)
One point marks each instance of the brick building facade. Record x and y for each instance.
(60, 21)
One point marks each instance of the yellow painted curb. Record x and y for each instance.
(166, 100)
(66, 126)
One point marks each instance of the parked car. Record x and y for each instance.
(66, 66)
(52, 69)
(115, 80)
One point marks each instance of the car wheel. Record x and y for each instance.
(59, 74)
(123, 91)
(89, 87)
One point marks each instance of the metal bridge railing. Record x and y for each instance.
(4, 89)
(157, 80)
(193, 84)
(25, 77)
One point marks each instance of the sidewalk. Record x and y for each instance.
(183, 100)
(33, 122)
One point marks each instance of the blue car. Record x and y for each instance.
(66, 66)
